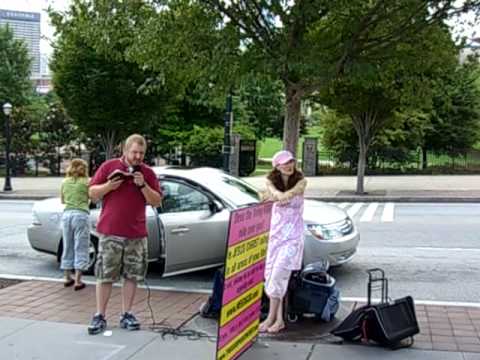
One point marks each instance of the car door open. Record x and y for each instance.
(195, 228)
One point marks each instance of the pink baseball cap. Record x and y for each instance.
(282, 157)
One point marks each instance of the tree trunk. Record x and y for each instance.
(291, 126)
(424, 158)
(362, 161)
(363, 124)
(109, 142)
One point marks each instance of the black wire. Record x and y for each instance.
(165, 329)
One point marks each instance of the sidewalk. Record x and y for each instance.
(420, 188)
(45, 321)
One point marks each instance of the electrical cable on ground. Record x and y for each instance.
(165, 329)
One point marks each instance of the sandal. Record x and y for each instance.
(79, 287)
(275, 329)
(69, 283)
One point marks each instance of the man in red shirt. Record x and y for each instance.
(125, 185)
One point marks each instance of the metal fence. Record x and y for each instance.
(468, 161)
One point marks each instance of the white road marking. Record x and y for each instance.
(93, 282)
(446, 249)
(419, 302)
(369, 213)
(342, 205)
(388, 212)
(354, 209)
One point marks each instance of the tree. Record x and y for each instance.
(394, 143)
(302, 44)
(56, 130)
(103, 95)
(372, 92)
(455, 115)
(15, 85)
(305, 44)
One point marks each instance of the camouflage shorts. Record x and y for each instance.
(121, 257)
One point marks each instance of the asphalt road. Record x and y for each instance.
(429, 251)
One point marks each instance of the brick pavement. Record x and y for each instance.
(42, 300)
(447, 328)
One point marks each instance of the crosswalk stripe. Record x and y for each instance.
(354, 209)
(343, 205)
(388, 212)
(369, 213)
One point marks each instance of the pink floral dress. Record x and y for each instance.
(285, 245)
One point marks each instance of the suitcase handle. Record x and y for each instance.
(377, 275)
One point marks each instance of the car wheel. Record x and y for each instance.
(92, 255)
(293, 317)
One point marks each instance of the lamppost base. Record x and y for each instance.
(7, 186)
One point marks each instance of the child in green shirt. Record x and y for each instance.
(75, 223)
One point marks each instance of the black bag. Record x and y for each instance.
(350, 329)
(386, 323)
(390, 323)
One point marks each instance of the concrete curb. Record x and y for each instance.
(24, 197)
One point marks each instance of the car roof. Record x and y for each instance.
(189, 173)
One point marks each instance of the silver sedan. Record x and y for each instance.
(188, 232)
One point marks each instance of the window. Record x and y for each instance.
(179, 197)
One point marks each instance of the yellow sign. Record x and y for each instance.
(245, 254)
(231, 350)
(232, 309)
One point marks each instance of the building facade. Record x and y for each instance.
(25, 26)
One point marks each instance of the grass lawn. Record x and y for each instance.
(269, 146)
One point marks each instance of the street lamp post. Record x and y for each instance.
(227, 132)
(227, 127)
(7, 110)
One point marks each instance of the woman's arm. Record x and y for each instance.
(62, 199)
(298, 189)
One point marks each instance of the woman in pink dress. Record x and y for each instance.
(285, 186)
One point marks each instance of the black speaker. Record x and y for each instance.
(389, 323)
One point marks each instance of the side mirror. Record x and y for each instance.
(215, 206)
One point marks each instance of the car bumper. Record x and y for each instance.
(42, 240)
(338, 251)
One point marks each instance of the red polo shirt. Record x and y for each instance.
(123, 209)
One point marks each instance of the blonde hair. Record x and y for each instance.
(77, 168)
(135, 138)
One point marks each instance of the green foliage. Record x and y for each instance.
(15, 85)
(25, 124)
(455, 116)
(205, 141)
(263, 103)
(101, 94)
(56, 129)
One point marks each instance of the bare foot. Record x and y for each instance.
(277, 327)
(265, 325)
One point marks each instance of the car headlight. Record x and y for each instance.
(35, 219)
(331, 231)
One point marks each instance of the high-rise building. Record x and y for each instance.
(25, 26)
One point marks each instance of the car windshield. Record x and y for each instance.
(235, 190)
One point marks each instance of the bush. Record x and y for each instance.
(205, 141)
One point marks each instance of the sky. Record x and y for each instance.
(47, 30)
(37, 6)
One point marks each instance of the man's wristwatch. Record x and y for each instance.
(141, 186)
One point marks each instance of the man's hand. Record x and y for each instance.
(138, 178)
(114, 183)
